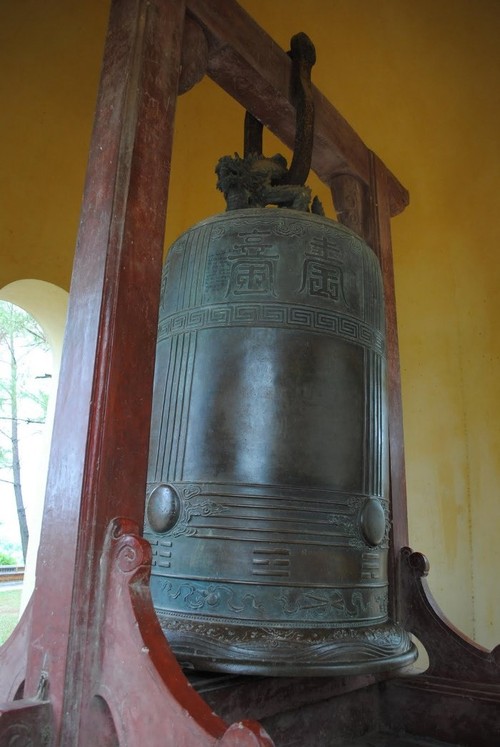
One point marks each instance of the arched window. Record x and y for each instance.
(44, 307)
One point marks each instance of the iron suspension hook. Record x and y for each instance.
(303, 56)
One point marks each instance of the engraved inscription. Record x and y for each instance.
(252, 266)
(154, 546)
(322, 274)
(217, 272)
(273, 562)
(251, 277)
(382, 601)
(320, 279)
(164, 555)
(370, 566)
(325, 248)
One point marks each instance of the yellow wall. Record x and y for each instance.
(419, 82)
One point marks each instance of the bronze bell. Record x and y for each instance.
(267, 509)
(267, 505)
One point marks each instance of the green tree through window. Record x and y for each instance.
(23, 401)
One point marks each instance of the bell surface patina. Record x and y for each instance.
(267, 507)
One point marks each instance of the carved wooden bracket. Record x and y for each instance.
(457, 699)
(452, 655)
(138, 673)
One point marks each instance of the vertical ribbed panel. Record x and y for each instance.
(174, 422)
(374, 424)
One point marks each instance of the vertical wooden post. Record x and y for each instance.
(350, 198)
(99, 452)
(366, 209)
(380, 240)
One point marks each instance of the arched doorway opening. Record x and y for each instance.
(47, 305)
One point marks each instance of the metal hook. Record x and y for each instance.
(252, 144)
(303, 56)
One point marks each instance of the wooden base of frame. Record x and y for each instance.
(141, 694)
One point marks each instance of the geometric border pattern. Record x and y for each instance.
(273, 315)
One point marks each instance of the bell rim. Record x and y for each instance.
(359, 652)
(340, 667)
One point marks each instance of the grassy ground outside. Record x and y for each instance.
(9, 612)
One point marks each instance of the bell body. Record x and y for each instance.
(267, 504)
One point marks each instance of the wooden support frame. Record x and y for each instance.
(89, 647)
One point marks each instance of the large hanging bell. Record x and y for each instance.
(268, 498)
(267, 505)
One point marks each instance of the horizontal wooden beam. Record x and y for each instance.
(248, 64)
